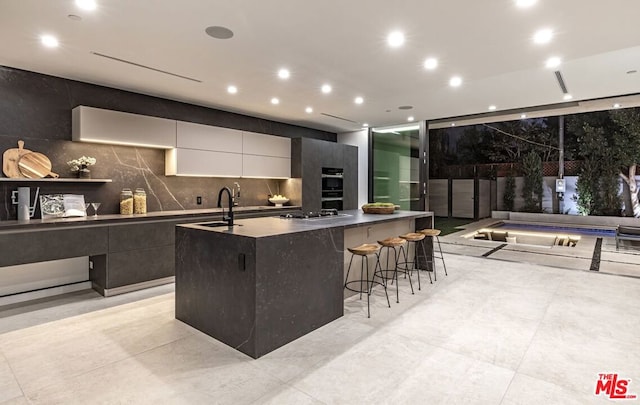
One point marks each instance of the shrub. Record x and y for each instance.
(532, 189)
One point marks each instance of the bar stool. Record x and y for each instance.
(434, 233)
(413, 238)
(366, 284)
(391, 244)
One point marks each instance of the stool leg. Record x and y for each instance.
(362, 274)
(348, 270)
(415, 262)
(397, 260)
(424, 252)
(379, 266)
(406, 261)
(442, 256)
(395, 271)
(368, 290)
(386, 269)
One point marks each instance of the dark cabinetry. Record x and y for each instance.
(138, 253)
(124, 254)
(309, 156)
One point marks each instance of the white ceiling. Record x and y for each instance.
(341, 42)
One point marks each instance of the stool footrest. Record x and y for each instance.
(369, 284)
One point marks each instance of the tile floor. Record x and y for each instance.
(492, 332)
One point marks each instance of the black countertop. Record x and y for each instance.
(117, 218)
(272, 226)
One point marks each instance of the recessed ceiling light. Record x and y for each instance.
(88, 5)
(553, 62)
(525, 3)
(326, 89)
(218, 32)
(430, 63)
(455, 81)
(405, 107)
(395, 39)
(232, 89)
(567, 97)
(308, 110)
(543, 36)
(275, 100)
(365, 125)
(410, 119)
(74, 17)
(358, 100)
(617, 105)
(284, 73)
(523, 116)
(492, 108)
(49, 41)
(453, 124)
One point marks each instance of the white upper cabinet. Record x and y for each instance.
(265, 145)
(265, 156)
(265, 166)
(115, 127)
(206, 137)
(193, 149)
(202, 163)
(204, 150)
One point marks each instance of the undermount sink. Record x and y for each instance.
(217, 224)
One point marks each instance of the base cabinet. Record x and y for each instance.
(122, 257)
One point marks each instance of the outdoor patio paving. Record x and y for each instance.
(584, 256)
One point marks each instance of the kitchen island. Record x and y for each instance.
(266, 281)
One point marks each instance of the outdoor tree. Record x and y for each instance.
(509, 191)
(532, 188)
(609, 144)
(627, 141)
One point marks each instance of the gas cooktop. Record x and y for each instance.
(326, 213)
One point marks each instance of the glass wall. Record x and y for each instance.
(397, 166)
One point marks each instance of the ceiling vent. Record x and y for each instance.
(339, 118)
(563, 86)
(145, 67)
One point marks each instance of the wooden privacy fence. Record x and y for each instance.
(493, 170)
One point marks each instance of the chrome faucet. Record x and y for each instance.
(229, 218)
(235, 196)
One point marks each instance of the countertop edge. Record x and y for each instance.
(354, 219)
(113, 219)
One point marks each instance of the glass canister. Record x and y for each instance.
(126, 201)
(139, 201)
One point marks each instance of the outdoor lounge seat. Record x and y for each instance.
(631, 233)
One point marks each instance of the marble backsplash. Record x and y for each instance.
(135, 167)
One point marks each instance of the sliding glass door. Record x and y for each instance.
(397, 171)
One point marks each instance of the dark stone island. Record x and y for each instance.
(265, 282)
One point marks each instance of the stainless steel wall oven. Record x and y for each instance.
(332, 188)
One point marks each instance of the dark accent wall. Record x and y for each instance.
(309, 156)
(39, 106)
(37, 109)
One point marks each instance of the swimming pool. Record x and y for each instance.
(557, 229)
(537, 234)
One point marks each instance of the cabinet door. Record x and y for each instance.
(265, 166)
(206, 137)
(193, 162)
(115, 127)
(266, 145)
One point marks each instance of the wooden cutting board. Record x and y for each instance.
(10, 159)
(35, 165)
